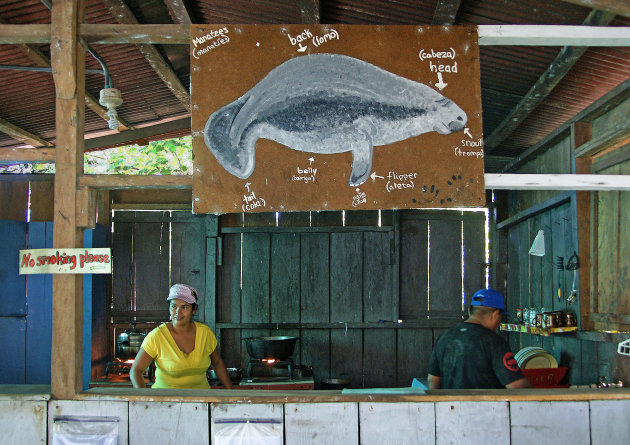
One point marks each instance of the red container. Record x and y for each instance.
(546, 377)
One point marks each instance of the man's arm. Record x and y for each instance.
(434, 381)
(520, 383)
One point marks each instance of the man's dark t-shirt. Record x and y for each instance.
(470, 356)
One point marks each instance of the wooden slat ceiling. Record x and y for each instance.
(142, 72)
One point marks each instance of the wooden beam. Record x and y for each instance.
(489, 35)
(68, 63)
(22, 135)
(310, 11)
(120, 182)
(123, 14)
(180, 11)
(581, 134)
(17, 34)
(115, 139)
(32, 155)
(521, 181)
(609, 139)
(618, 7)
(545, 84)
(445, 12)
(31, 51)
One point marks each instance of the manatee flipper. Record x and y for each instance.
(236, 157)
(362, 150)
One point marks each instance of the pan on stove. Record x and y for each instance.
(277, 348)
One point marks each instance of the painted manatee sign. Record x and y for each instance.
(295, 117)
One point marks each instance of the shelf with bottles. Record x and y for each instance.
(536, 330)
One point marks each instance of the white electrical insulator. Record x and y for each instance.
(111, 98)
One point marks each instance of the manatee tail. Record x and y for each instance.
(236, 158)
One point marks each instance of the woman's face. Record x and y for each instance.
(181, 312)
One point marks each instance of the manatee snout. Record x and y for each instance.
(451, 118)
(456, 125)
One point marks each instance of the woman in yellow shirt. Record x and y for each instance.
(182, 349)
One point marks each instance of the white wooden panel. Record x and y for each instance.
(397, 423)
(91, 408)
(158, 423)
(247, 411)
(555, 423)
(553, 35)
(321, 423)
(472, 423)
(253, 433)
(548, 181)
(610, 421)
(23, 422)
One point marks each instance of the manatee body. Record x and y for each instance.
(328, 103)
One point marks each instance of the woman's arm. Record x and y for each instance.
(220, 369)
(140, 364)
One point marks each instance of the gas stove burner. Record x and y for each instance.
(270, 363)
(118, 368)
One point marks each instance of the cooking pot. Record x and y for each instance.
(128, 343)
(278, 348)
(335, 383)
(235, 374)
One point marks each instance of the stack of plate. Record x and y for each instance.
(533, 357)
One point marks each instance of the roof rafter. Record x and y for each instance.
(310, 11)
(40, 59)
(445, 12)
(115, 139)
(123, 15)
(22, 135)
(568, 56)
(180, 11)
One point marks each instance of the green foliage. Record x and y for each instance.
(168, 157)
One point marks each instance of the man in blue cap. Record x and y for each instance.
(472, 355)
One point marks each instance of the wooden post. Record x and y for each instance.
(581, 132)
(68, 63)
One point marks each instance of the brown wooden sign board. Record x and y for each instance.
(331, 117)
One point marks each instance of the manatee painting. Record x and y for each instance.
(328, 103)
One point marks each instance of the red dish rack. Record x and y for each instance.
(546, 377)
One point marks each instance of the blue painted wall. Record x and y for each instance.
(39, 315)
(13, 307)
(26, 305)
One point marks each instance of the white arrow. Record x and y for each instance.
(374, 176)
(247, 184)
(467, 132)
(301, 48)
(440, 84)
(311, 160)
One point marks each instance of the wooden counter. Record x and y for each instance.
(325, 396)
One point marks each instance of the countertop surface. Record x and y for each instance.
(42, 392)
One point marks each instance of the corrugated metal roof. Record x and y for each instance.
(507, 72)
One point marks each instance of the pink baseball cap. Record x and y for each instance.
(183, 292)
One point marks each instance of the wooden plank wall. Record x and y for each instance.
(533, 282)
(613, 239)
(345, 288)
(152, 251)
